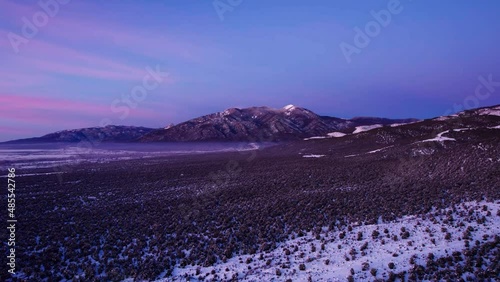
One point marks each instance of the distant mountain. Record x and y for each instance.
(110, 133)
(260, 124)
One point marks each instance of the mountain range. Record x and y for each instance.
(110, 133)
(261, 124)
(254, 124)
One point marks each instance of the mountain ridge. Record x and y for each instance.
(253, 124)
(259, 124)
(110, 133)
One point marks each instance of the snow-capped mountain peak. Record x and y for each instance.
(263, 123)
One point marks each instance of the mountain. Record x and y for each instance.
(110, 133)
(260, 124)
(471, 130)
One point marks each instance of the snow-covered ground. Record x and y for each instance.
(314, 138)
(443, 118)
(364, 128)
(400, 124)
(61, 155)
(441, 138)
(491, 111)
(384, 247)
(369, 152)
(336, 134)
(313, 156)
(358, 129)
(329, 135)
(381, 149)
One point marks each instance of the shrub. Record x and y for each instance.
(405, 235)
(360, 236)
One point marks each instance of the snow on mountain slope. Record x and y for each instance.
(336, 134)
(261, 123)
(441, 138)
(379, 150)
(364, 128)
(329, 135)
(365, 252)
(495, 111)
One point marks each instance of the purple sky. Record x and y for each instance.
(86, 57)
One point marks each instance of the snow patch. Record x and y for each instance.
(370, 152)
(336, 134)
(490, 112)
(350, 156)
(441, 138)
(400, 124)
(329, 135)
(313, 156)
(315, 137)
(381, 149)
(364, 128)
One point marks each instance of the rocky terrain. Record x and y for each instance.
(394, 202)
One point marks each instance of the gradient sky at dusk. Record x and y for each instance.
(272, 53)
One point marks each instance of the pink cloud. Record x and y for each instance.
(14, 12)
(43, 110)
(98, 32)
(91, 35)
(145, 42)
(14, 79)
(43, 56)
(13, 130)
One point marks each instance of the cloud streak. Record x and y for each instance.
(41, 110)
